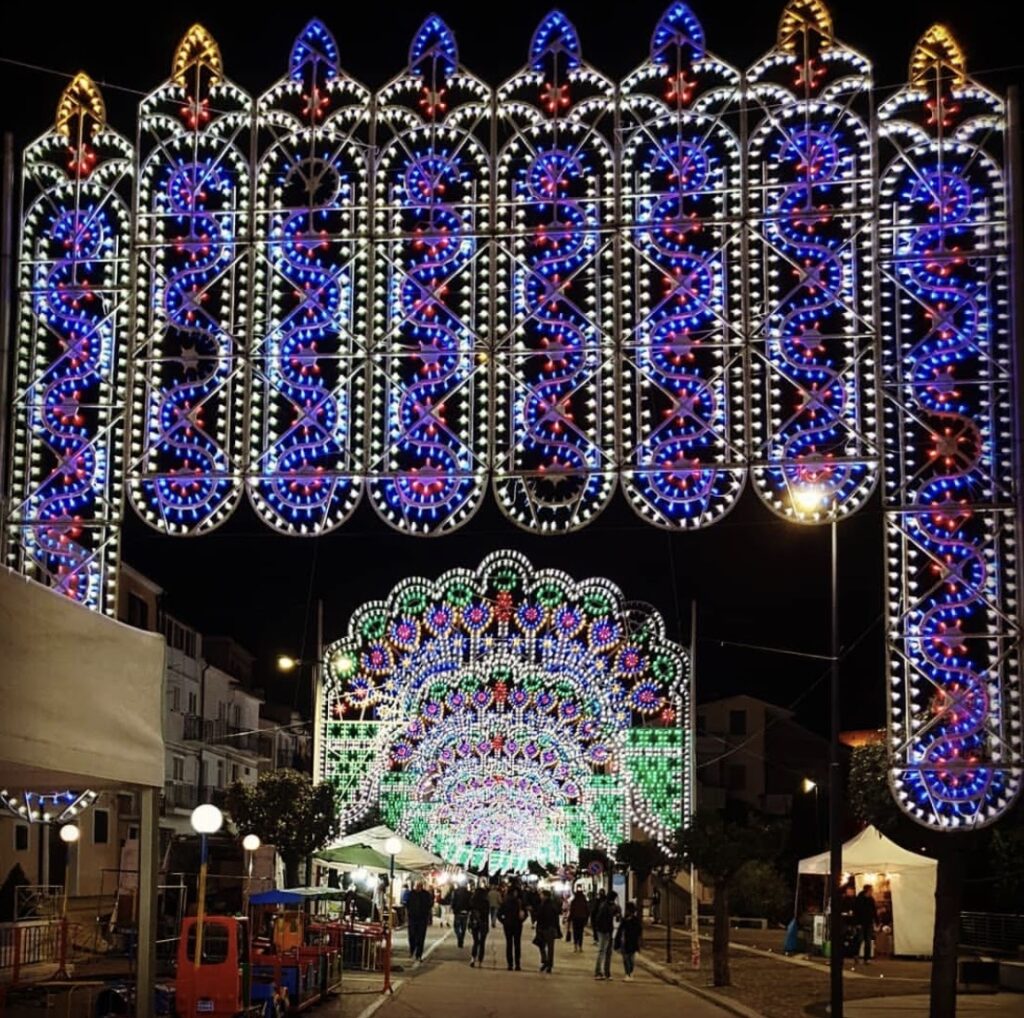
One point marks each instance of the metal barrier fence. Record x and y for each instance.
(992, 931)
(42, 942)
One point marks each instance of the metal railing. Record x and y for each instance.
(992, 931)
(37, 901)
(180, 795)
(34, 942)
(213, 731)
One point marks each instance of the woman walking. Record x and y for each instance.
(479, 917)
(579, 915)
(511, 913)
(548, 930)
(627, 939)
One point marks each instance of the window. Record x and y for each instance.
(234, 772)
(175, 692)
(21, 837)
(236, 715)
(215, 943)
(220, 773)
(736, 777)
(193, 702)
(177, 768)
(138, 612)
(100, 826)
(737, 722)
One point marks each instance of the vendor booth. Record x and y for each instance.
(903, 883)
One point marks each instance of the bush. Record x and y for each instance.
(759, 891)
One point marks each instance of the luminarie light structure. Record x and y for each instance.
(508, 714)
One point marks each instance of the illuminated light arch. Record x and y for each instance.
(554, 460)
(429, 403)
(459, 697)
(811, 273)
(311, 292)
(64, 516)
(953, 647)
(192, 268)
(682, 425)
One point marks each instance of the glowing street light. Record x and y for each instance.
(250, 843)
(287, 663)
(206, 819)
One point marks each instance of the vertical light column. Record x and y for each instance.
(311, 292)
(811, 355)
(67, 403)
(430, 409)
(953, 636)
(192, 295)
(554, 460)
(681, 203)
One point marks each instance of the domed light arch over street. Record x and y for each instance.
(508, 714)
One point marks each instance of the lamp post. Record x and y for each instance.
(250, 843)
(807, 786)
(392, 846)
(69, 834)
(205, 820)
(807, 499)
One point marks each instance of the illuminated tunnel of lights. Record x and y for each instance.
(540, 292)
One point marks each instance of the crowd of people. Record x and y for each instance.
(515, 906)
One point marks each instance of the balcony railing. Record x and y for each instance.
(220, 733)
(180, 795)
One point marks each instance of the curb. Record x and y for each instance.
(666, 975)
(396, 987)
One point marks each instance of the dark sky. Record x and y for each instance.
(756, 579)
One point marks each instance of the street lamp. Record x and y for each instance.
(814, 499)
(69, 834)
(392, 846)
(205, 820)
(250, 843)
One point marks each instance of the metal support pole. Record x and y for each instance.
(835, 840)
(388, 923)
(692, 756)
(201, 904)
(149, 871)
(6, 311)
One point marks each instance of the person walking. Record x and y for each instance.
(579, 914)
(865, 914)
(511, 913)
(548, 930)
(419, 911)
(627, 939)
(479, 914)
(604, 924)
(656, 905)
(596, 900)
(460, 912)
(494, 903)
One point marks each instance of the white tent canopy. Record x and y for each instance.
(911, 877)
(412, 857)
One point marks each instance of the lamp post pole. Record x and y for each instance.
(835, 840)
(206, 819)
(392, 846)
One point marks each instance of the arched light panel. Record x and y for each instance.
(192, 294)
(430, 408)
(814, 449)
(681, 202)
(950, 506)
(64, 516)
(554, 463)
(311, 292)
(498, 715)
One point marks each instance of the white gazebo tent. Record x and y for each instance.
(412, 857)
(911, 877)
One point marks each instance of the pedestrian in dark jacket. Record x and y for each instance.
(865, 914)
(460, 912)
(418, 910)
(579, 914)
(479, 920)
(627, 939)
(596, 901)
(548, 930)
(604, 923)
(511, 913)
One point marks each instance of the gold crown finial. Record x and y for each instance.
(81, 99)
(801, 16)
(937, 49)
(197, 49)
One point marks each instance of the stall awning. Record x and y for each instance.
(356, 856)
(296, 896)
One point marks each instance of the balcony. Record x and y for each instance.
(220, 733)
(180, 795)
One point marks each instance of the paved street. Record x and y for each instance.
(446, 986)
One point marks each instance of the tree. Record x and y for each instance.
(719, 848)
(871, 801)
(287, 811)
(642, 857)
(760, 890)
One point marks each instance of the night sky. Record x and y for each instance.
(756, 580)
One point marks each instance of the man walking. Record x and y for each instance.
(460, 912)
(604, 926)
(511, 914)
(494, 903)
(865, 914)
(418, 911)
